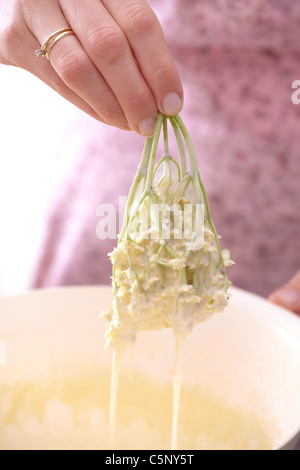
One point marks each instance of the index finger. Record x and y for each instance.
(145, 36)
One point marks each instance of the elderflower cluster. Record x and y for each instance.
(174, 281)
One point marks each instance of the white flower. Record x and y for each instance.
(226, 258)
(177, 263)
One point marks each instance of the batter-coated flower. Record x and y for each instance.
(168, 267)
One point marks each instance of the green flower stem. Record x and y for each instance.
(154, 268)
(164, 263)
(168, 164)
(166, 141)
(210, 221)
(149, 180)
(208, 267)
(159, 221)
(196, 270)
(133, 270)
(141, 173)
(177, 166)
(147, 171)
(158, 165)
(196, 277)
(132, 216)
(195, 172)
(193, 160)
(180, 146)
(147, 163)
(186, 180)
(161, 274)
(170, 250)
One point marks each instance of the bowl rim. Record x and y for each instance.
(281, 316)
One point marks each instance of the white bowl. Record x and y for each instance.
(248, 357)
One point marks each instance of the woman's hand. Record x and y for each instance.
(117, 67)
(288, 296)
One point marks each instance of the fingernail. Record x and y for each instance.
(289, 297)
(172, 104)
(147, 127)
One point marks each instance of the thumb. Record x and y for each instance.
(288, 296)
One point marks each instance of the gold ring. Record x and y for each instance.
(51, 40)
